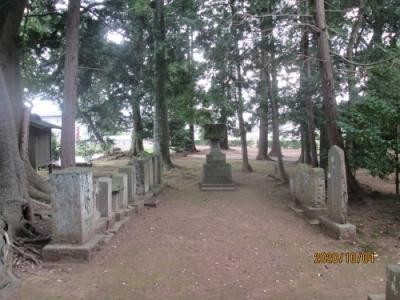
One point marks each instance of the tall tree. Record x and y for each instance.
(70, 101)
(161, 129)
(238, 93)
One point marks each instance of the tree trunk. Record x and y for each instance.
(161, 130)
(263, 112)
(137, 131)
(238, 91)
(262, 153)
(311, 156)
(328, 93)
(138, 55)
(13, 184)
(192, 147)
(323, 147)
(69, 107)
(224, 143)
(327, 79)
(92, 127)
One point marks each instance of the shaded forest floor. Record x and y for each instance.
(245, 244)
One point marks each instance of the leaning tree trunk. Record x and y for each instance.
(328, 93)
(67, 153)
(161, 130)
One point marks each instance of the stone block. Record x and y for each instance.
(214, 131)
(131, 182)
(393, 282)
(142, 176)
(104, 196)
(339, 231)
(120, 184)
(151, 172)
(376, 297)
(139, 207)
(73, 253)
(74, 208)
(154, 164)
(337, 196)
(159, 168)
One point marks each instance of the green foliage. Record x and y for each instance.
(179, 136)
(55, 148)
(87, 149)
(371, 123)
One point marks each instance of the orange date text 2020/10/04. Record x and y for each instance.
(344, 257)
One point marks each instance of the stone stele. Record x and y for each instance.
(336, 221)
(217, 174)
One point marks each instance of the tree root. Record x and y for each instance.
(25, 254)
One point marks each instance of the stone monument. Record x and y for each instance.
(337, 197)
(217, 174)
(74, 216)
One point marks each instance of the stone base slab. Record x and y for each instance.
(314, 213)
(217, 187)
(339, 231)
(120, 215)
(376, 297)
(152, 202)
(138, 207)
(73, 253)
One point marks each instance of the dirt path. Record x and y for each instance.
(244, 244)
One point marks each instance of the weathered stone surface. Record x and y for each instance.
(151, 172)
(73, 253)
(217, 174)
(308, 186)
(73, 206)
(147, 168)
(141, 170)
(214, 131)
(159, 168)
(155, 170)
(393, 282)
(120, 187)
(336, 220)
(104, 196)
(131, 180)
(339, 231)
(337, 186)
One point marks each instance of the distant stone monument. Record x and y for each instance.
(337, 197)
(217, 174)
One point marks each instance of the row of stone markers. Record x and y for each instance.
(89, 210)
(326, 208)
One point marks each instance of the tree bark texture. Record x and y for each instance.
(161, 130)
(70, 100)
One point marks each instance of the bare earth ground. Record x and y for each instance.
(244, 244)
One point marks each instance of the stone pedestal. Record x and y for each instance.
(336, 220)
(104, 196)
(120, 195)
(74, 216)
(142, 176)
(217, 174)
